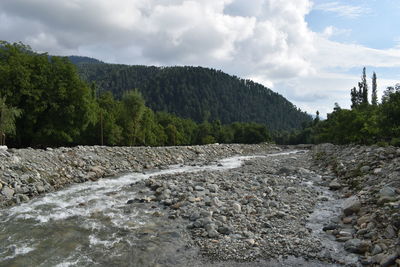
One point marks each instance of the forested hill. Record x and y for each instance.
(197, 93)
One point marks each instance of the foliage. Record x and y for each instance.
(200, 94)
(374, 95)
(56, 105)
(8, 115)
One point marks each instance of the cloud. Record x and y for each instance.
(261, 37)
(348, 11)
(334, 54)
(331, 31)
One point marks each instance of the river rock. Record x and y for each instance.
(236, 206)
(225, 230)
(7, 192)
(22, 198)
(213, 188)
(390, 232)
(387, 191)
(331, 226)
(291, 190)
(376, 250)
(216, 202)
(40, 188)
(357, 246)
(388, 259)
(386, 199)
(365, 169)
(212, 233)
(334, 185)
(351, 205)
(199, 188)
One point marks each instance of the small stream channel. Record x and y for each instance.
(326, 212)
(90, 224)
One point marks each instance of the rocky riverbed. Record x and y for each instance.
(27, 173)
(257, 212)
(368, 178)
(215, 205)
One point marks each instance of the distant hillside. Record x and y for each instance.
(79, 60)
(197, 93)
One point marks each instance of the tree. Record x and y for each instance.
(355, 99)
(374, 97)
(57, 106)
(133, 108)
(360, 97)
(364, 87)
(317, 118)
(8, 115)
(390, 113)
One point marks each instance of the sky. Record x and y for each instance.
(310, 51)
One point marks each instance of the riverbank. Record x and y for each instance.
(27, 173)
(368, 177)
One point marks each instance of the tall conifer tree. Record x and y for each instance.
(374, 97)
(364, 87)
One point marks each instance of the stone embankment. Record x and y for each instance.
(26, 173)
(369, 179)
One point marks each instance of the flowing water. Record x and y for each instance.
(90, 224)
(324, 213)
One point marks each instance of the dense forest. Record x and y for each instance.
(197, 93)
(44, 102)
(367, 122)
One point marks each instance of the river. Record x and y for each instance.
(90, 224)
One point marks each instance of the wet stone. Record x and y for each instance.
(357, 246)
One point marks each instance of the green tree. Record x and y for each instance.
(56, 104)
(133, 108)
(150, 132)
(390, 113)
(374, 96)
(364, 87)
(356, 98)
(8, 115)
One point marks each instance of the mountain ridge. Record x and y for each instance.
(198, 93)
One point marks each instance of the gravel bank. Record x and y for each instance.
(257, 214)
(368, 178)
(26, 173)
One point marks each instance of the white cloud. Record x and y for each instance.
(334, 54)
(270, 37)
(331, 31)
(343, 10)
